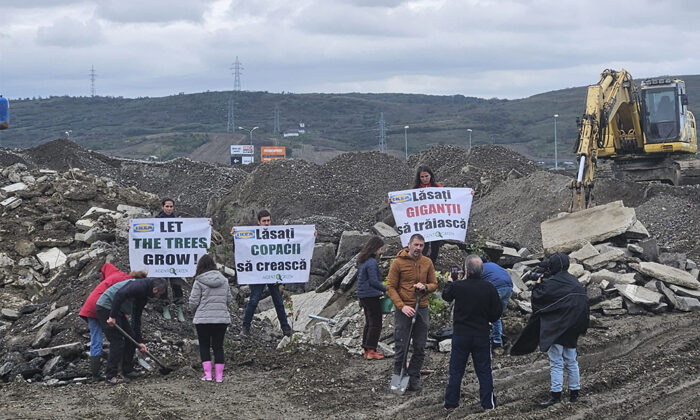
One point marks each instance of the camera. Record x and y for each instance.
(454, 272)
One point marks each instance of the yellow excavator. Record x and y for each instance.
(648, 134)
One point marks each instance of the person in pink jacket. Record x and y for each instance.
(110, 276)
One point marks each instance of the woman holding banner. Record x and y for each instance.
(369, 290)
(209, 301)
(426, 179)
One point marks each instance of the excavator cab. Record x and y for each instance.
(664, 109)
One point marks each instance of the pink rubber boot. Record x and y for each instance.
(219, 367)
(207, 371)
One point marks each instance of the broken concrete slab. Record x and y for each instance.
(668, 274)
(509, 257)
(636, 231)
(384, 230)
(670, 296)
(602, 260)
(351, 242)
(683, 291)
(639, 295)
(615, 303)
(10, 314)
(518, 284)
(349, 279)
(445, 346)
(54, 257)
(633, 308)
(615, 278)
(17, 186)
(526, 265)
(492, 250)
(585, 252)
(66, 350)
(43, 336)
(303, 305)
(585, 278)
(54, 315)
(688, 304)
(11, 203)
(651, 250)
(573, 231)
(576, 270)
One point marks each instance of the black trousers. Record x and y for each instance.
(373, 322)
(432, 250)
(177, 298)
(211, 335)
(121, 350)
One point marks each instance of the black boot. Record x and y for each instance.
(96, 367)
(553, 399)
(573, 395)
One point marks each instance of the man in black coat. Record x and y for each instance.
(476, 305)
(560, 316)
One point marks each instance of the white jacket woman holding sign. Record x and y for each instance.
(209, 300)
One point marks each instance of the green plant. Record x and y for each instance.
(477, 244)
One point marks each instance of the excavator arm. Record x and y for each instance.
(610, 123)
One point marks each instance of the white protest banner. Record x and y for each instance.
(435, 213)
(168, 247)
(273, 254)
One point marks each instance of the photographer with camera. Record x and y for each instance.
(560, 316)
(476, 305)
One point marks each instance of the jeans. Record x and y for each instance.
(95, 337)
(559, 357)
(504, 293)
(211, 335)
(402, 324)
(480, 349)
(373, 323)
(121, 350)
(256, 291)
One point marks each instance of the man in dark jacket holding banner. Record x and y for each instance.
(560, 315)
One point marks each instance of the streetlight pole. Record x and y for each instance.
(249, 132)
(405, 139)
(556, 161)
(470, 138)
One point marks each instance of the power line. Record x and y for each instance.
(231, 114)
(276, 128)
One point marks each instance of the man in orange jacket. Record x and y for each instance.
(411, 274)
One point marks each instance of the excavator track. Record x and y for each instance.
(670, 170)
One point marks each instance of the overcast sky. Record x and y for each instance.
(483, 48)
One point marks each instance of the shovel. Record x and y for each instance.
(163, 369)
(400, 382)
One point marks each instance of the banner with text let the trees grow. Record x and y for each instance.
(436, 213)
(273, 254)
(168, 247)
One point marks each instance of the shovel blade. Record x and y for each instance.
(399, 383)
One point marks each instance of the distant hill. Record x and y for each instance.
(195, 125)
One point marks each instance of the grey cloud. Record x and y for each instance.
(152, 10)
(70, 33)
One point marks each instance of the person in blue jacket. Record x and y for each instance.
(125, 298)
(369, 290)
(499, 277)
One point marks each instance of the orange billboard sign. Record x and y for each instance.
(268, 153)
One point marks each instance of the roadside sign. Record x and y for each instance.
(268, 153)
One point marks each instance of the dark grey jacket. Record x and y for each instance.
(210, 297)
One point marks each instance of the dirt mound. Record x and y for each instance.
(352, 187)
(481, 168)
(62, 155)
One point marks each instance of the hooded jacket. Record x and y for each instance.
(110, 276)
(209, 298)
(404, 273)
(560, 310)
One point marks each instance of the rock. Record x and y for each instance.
(6, 261)
(571, 232)
(673, 259)
(321, 335)
(384, 230)
(524, 306)
(445, 346)
(636, 231)
(11, 203)
(614, 312)
(595, 294)
(682, 291)
(9, 314)
(493, 250)
(669, 275)
(52, 366)
(509, 257)
(576, 270)
(615, 278)
(690, 265)
(633, 308)
(323, 258)
(43, 336)
(518, 285)
(670, 296)
(54, 315)
(688, 304)
(639, 295)
(284, 342)
(601, 260)
(387, 350)
(523, 266)
(66, 350)
(585, 252)
(351, 242)
(615, 303)
(17, 186)
(54, 257)
(302, 305)
(85, 224)
(651, 250)
(24, 247)
(349, 279)
(585, 278)
(635, 249)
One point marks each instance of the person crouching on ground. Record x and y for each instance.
(126, 297)
(209, 300)
(110, 276)
(476, 305)
(369, 290)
